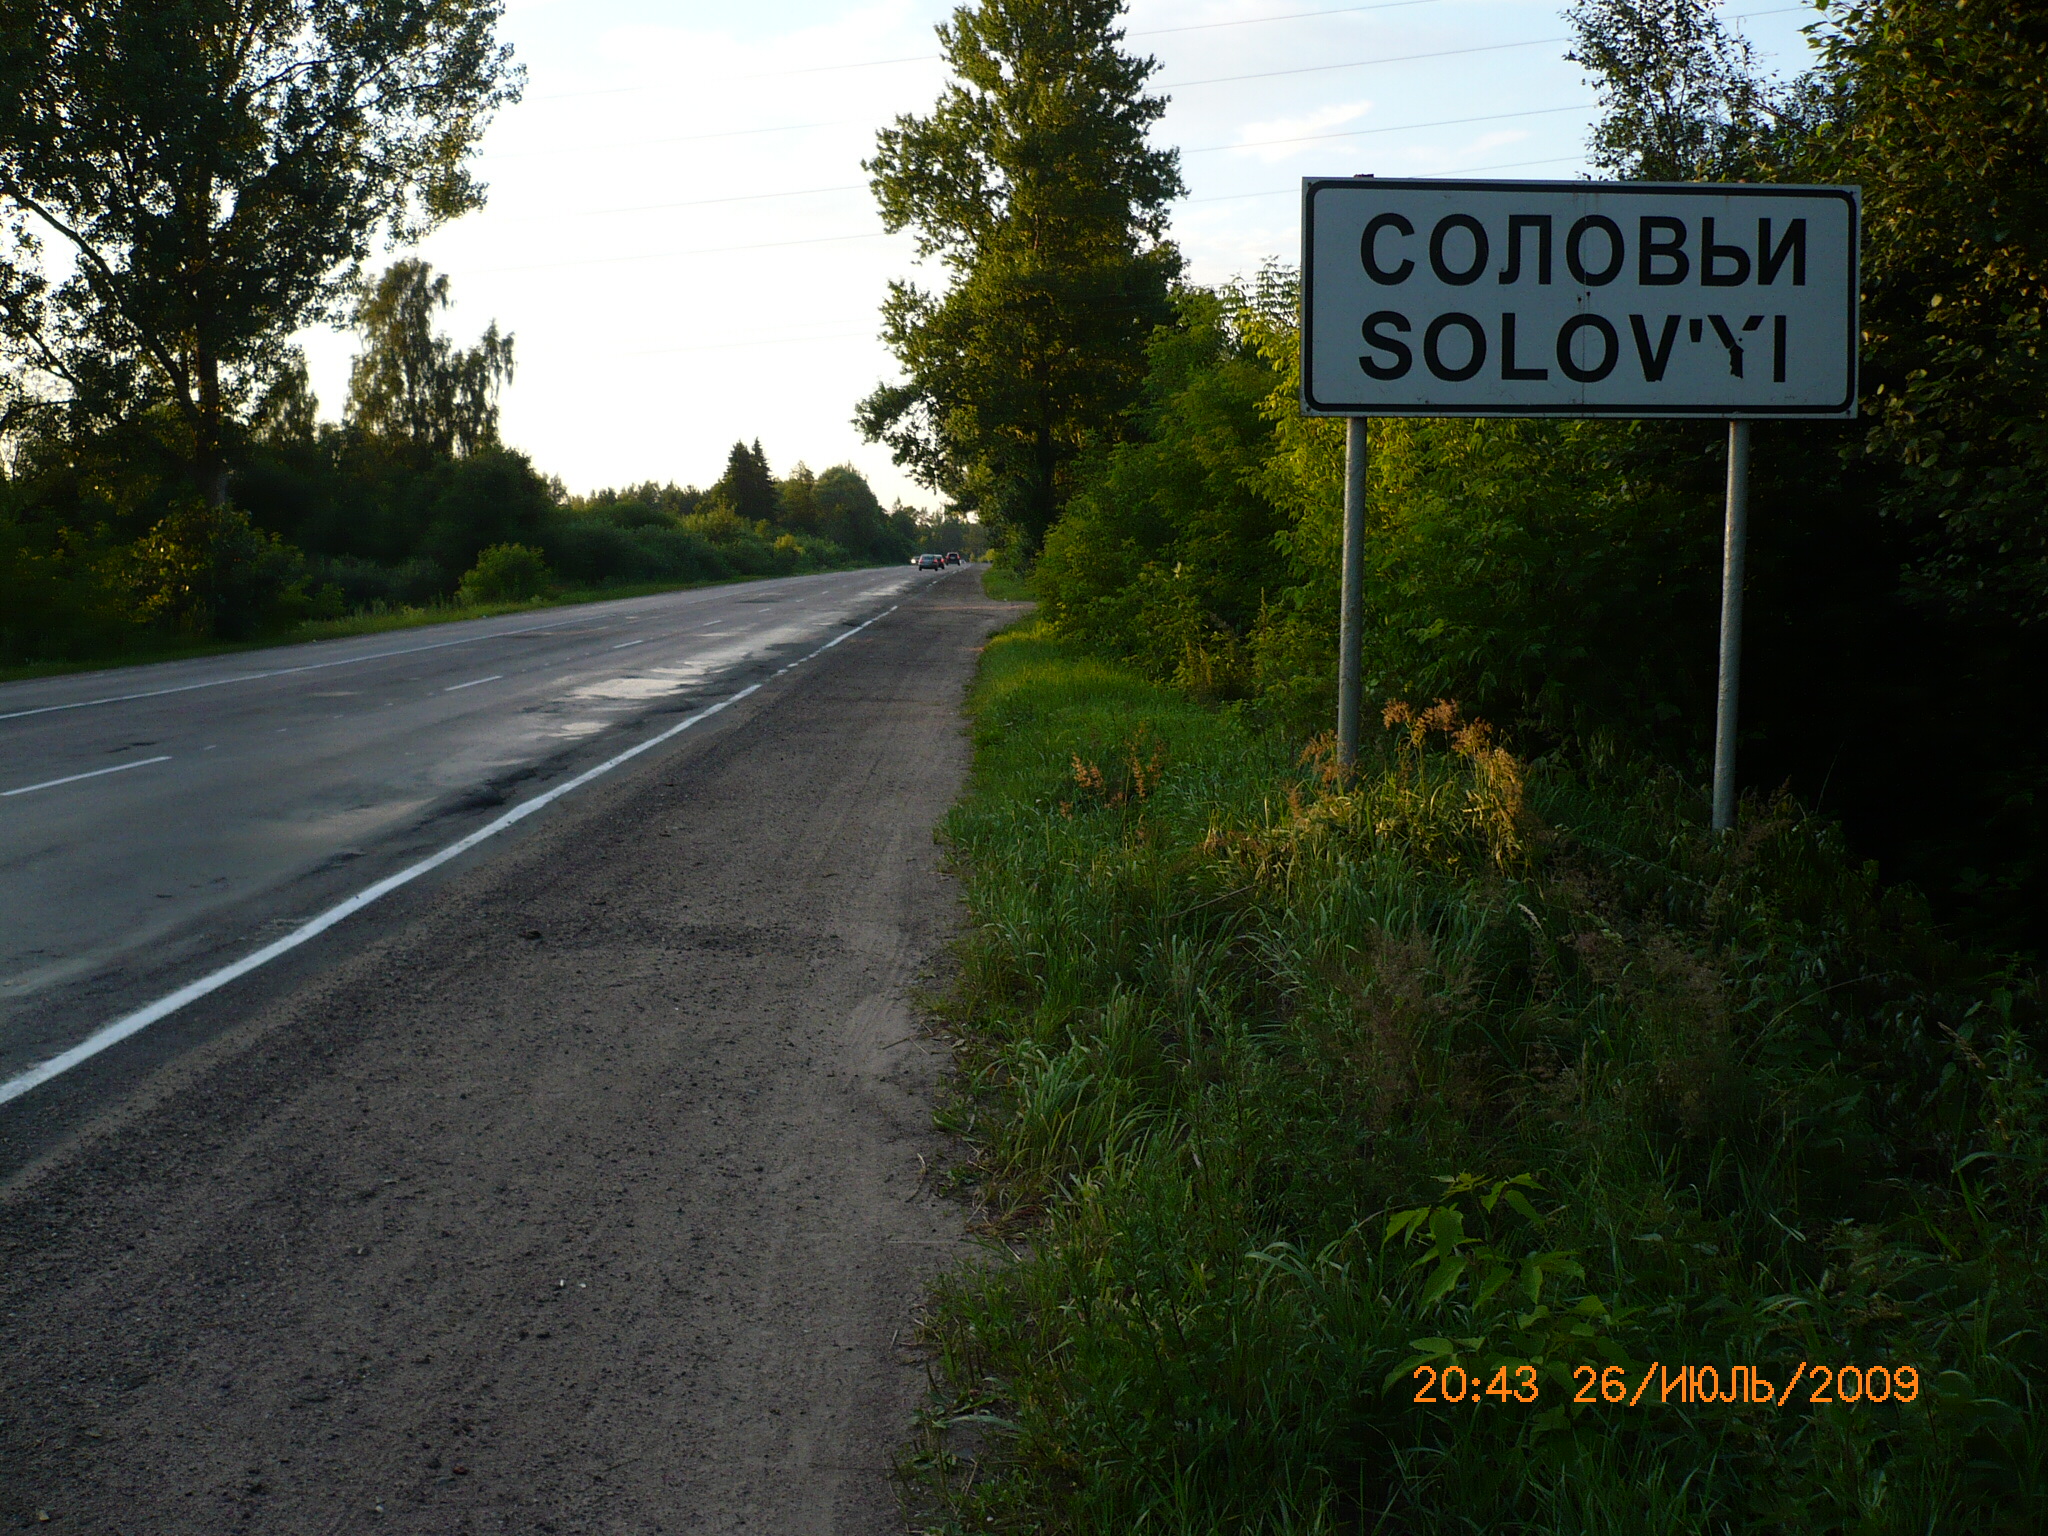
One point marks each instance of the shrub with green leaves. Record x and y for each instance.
(207, 572)
(506, 573)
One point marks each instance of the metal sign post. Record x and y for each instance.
(1576, 299)
(1351, 624)
(1734, 551)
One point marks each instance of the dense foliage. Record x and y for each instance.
(1947, 131)
(1561, 577)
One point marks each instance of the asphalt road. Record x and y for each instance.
(158, 821)
(578, 1186)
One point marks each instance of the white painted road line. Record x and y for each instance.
(458, 687)
(163, 1007)
(29, 789)
(624, 643)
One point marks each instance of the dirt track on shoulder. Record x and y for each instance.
(578, 1192)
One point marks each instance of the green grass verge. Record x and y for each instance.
(1281, 1084)
(364, 624)
(1005, 585)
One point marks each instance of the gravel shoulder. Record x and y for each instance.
(581, 1192)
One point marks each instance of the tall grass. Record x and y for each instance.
(1282, 1082)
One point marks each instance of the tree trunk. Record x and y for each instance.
(209, 456)
(209, 453)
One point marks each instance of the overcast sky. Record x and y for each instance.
(680, 235)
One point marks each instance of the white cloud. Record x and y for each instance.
(1280, 139)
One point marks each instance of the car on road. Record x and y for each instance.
(930, 562)
(952, 557)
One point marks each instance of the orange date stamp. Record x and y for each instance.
(1694, 1385)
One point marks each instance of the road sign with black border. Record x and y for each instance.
(1576, 298)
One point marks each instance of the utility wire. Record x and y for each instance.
(769, 245)
(1353, 133)
(1170, 85)
(1252, 21)
(790, 341)
(1206, 149)
(929, 58)
(1317, 69)
(744, 197)
(1459, 174)
(687, 138)
(855, 186)
(1410, 58)
(707, 250)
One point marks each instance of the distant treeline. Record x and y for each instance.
(107, 549)
(376, 528)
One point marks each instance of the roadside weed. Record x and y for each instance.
(1243, 1040)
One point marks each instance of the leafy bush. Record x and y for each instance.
(591, 551)
(207, 572)
(1167, 554)
(365, 586)
(506, 573)
(59, 597)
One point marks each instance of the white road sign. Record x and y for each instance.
(1574, 298)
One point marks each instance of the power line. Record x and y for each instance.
(1410, 58)
(791, 341)
(720, 346)
(688, 138)
(931, 58)
(1352, 133)
(1164, 85)
(707, 250)
(1251, 21)
(768, 245)
(1317, 69)
(856, 186)
(1173, 85)
(744, 197)
(879, 234)
(1469, 170)
(1206, 149)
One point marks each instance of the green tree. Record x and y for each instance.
(411, 385)
(1032, 182)
(1681, 97)
(1949, 139)
(1167, 551)
(183, 185)
(797, 501)
(287, 412)
(850, 515)
(747, 486)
